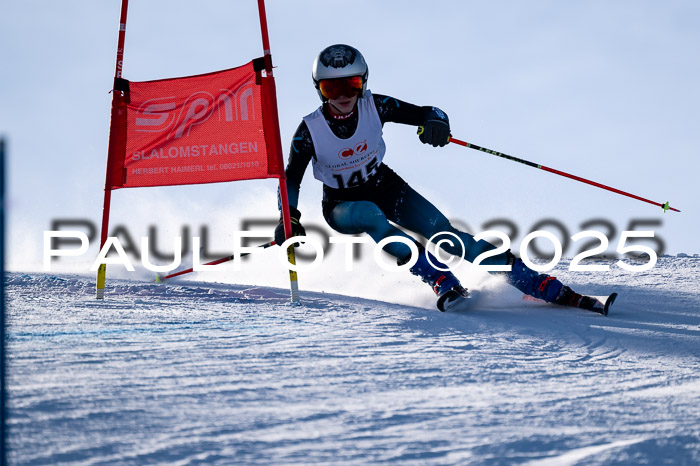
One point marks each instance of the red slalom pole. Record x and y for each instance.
(271, 93)
(102, 270)
(664, 206)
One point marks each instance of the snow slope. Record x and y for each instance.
(202, 373)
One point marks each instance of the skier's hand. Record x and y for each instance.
(435, 132)
(297, 227)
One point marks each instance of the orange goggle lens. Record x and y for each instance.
(346, 87)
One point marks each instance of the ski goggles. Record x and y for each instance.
(334, 88)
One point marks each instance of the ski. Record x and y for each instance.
(598, 304)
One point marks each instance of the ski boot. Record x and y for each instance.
(539, 286)
(446, 286)
(551, 290)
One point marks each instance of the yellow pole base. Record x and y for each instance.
(101, 278)
(293, 282)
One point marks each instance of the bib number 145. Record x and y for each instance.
(357, 177)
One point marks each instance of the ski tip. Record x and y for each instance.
(608, 303)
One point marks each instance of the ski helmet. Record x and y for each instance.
(339, 61)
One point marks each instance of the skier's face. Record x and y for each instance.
(341, 93)
(342, 105)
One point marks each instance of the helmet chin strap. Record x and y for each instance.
(340, 115)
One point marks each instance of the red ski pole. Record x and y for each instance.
(664, 206)
(160, 279)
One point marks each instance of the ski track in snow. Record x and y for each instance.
(201, 373)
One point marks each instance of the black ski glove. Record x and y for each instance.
(435, 132)
(436, 129)
(297, 228)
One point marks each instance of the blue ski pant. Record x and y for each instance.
(391, 199)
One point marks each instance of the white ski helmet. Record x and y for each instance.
(339, 61)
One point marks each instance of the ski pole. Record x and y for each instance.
(160, 279)
(469, 145)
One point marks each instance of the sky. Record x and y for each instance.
(603, 90)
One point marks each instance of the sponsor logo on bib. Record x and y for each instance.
(357, 149)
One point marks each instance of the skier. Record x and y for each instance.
(361, 194)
